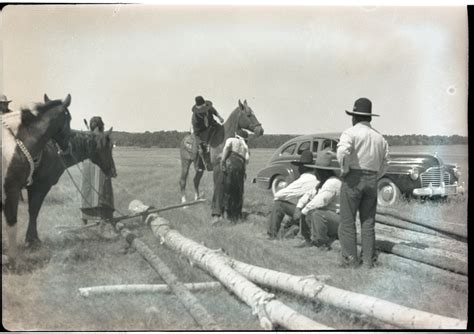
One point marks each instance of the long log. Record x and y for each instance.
(438, 258)
(142, 288)
(392, 221)
(388, 312)
(442, 226)
(189, 301)
(422, 239)
(269, 310)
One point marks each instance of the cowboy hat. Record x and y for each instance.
(3, 99)
(305, 158)
(362, 107)
(199, 101)
(323, 160)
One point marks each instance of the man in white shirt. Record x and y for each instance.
(318, 209)
(363, 155)
(235, 157)
(285, 200)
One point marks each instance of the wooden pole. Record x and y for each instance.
(441, 226)
(142, 288)
(308, 287)
(392, 221)
(189, 301)
(269, 310)
(422, 239)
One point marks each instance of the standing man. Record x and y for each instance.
(98, 199)
(4, 104)
(203, 121)
(235, 158)
(363, 155)
(285, 200)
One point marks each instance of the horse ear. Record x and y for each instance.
(110, 130)
(67, 100)
(46, 98)
(241, 105)
(245, 102)
(87, 125)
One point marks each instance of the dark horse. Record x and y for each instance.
(96, 146)
(242, 117)
(25, 134)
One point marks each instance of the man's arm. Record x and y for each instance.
(344, 149)
(214, 112)
(385, 160)
(324, 196)
(226, 152)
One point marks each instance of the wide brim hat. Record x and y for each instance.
(199, 101)
(362, 107)
(3, 99)
(305, 158)
(324, 160)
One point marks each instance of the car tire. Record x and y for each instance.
(387, 192)
(279, 182)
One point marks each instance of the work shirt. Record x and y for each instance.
(238, 146)
(203, 117)
(297, 188)
(362, 147)
(326, 198)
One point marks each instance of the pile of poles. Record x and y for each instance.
(244, 281)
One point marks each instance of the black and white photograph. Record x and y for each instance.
(234, 167)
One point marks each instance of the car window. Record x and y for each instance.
(289, 150)
(303, 146)
(328, 143)
(315, 146)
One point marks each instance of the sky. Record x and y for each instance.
(139, 67)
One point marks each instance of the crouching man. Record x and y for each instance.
(285, 200)
(318, 209)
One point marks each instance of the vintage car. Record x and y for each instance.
(409, 175)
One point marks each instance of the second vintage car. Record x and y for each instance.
(409, 175)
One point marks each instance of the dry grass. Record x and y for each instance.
(43, 296)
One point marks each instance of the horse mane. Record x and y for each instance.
(29, 116)
(233, 120)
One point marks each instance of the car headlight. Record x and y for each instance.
(414, 173)
(457, 171)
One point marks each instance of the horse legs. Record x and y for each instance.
(185, 163)
(36, 196)
(197, 180)
(12, 196)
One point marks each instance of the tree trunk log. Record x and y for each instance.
(270, 311)
(392, 221)
(441, 226)
(190, 302)
(424, 240)
(354, 302)
(142, 288)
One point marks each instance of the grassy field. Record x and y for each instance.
(43, 295)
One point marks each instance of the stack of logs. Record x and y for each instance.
(438, 252)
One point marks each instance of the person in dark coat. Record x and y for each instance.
(4, 104)
(98, 200)
(235, 158)
(203, 122)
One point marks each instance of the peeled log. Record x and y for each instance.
(392, 221)
(438, 258)
(308, 287)
(441, 226)
(142, 288)
(269, 310)
(424, 240)
(189, 301)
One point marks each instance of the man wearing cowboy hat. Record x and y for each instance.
(202, 122)
(285, 200)
(319, 207)
(363, 155)
(4, 104)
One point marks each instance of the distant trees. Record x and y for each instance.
(172, 139)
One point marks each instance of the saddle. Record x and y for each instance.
(200, 157)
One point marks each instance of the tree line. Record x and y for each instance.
(172, 139)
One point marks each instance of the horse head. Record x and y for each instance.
(60, 119)
(248, 120)
(102, 152)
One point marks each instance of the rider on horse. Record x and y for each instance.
(203, 121)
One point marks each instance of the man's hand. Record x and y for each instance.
(220, 118)
(223, 168)
(297, 214)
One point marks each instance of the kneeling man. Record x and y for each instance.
(318, 209)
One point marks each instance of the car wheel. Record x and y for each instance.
(387, 192)
(278, 183)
